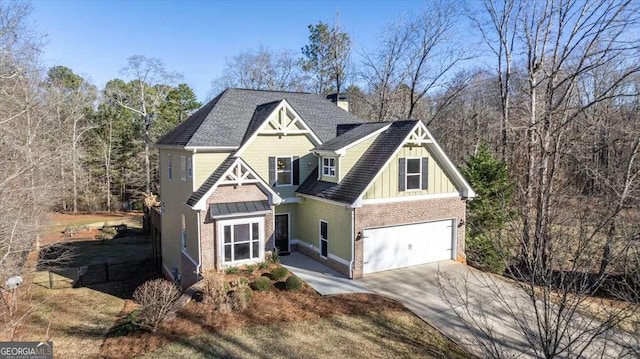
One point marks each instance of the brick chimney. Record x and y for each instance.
(340, 99)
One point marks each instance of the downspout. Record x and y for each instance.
(353, 242)
(199, 266)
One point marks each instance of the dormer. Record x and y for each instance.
(337, 156)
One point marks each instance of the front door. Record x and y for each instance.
(282, 233)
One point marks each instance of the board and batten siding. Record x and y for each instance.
(262, 147)
(338, 219)
(386, 185)
(204, 164)
(173, 194)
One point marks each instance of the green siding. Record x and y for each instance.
(353, 155)
(264, 146)
(174, 193)
(386, 185)
(338, 219)
(205, 164)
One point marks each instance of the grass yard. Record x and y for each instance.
(289, 324)
(76, 320)
(373, 335)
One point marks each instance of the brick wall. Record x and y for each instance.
(228, 193)
(379, 215)
(208, 233)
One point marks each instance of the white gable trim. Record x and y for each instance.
(238, 173)
(306, 130)
(437, 152)
(342, 151)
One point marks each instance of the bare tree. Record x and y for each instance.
(71, 100)
(499, 34)
(261, 69)
(150, 84)
(416, 59)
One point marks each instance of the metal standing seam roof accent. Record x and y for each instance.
(225, 120)
(231, 208)
(364, 170)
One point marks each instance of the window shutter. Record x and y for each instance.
(272, 171)
(401, 174)
(425, 172)
(296, 170)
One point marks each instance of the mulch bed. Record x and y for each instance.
(266, 308)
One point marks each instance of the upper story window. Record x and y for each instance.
(190, 167)
(184, 233)
(169, 167)
(284, 171)
(413, 174)
(329, 166)
(183, 168)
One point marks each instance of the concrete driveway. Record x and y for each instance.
(475, 300)
(321, 278)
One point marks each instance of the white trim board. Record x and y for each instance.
(186, 254)
(261, 129)
(410, 198)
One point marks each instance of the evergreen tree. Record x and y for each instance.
(489, 212)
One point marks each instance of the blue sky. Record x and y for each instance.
(94, 38)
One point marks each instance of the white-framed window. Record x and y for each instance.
(241, 240)
(284, 171)
(324, 238)
(190, 167)
(413, 178)
(329, 166)
(183, 168)
(184, 232)
(169, 167)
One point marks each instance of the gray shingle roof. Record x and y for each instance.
(213, 178)
(363, 172)
(225, 120)
(225, 209)
(259, 116)
(351, 136)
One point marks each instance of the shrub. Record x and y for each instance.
(158, 300)
(241, 295)
(239, 299)
(293, 283)
(214, 289)
(486, 254)
(250, 268)
(273, 256)
(263, 265)
(107, 233)
(262, 284)
(279, 273)
(127, 326)
(231, 270)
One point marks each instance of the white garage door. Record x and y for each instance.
(407, 245)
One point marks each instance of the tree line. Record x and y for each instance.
(548, 131)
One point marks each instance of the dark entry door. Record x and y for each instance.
(282, 233)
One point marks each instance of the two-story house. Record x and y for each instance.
(256, 170)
